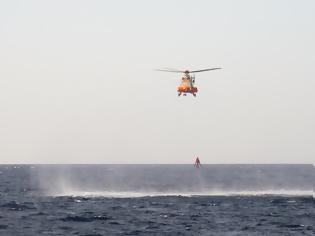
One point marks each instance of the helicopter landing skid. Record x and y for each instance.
(185, 94)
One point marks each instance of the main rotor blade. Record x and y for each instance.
(170, 70)
(195, 71)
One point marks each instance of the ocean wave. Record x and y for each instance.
(130, 194)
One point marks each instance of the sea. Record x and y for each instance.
(95, 200)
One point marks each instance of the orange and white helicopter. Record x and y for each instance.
(188, 81)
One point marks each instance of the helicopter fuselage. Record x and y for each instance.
(187, 85)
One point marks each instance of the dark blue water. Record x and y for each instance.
(157, 200)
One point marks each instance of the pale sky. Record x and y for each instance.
(77, 81)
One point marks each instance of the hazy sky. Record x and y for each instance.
(77, 83)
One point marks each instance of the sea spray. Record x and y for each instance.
(148, 180)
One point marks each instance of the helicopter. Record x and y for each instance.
(188, 81)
